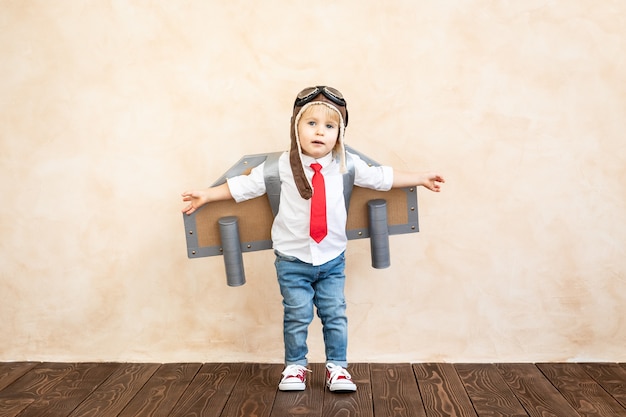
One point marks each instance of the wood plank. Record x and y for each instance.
(162, 391)
(208, 392)
(11, 407)
(539, 397)
(251, 390)
(75, 386)
(31, 386)
(10, 371)
(611, 376)
(110, 398)
(395, 391)
(581, 391)
(357, 403)
(254, 392)
(489, 393)
(442, 391)
(306, 403)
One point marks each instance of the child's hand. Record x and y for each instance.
(196, 199)
(200, 197)
(432, 181)
(428, 180)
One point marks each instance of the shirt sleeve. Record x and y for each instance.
(375, 177)
(246, 187)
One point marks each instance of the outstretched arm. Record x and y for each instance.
(199, 198)
(430, 180)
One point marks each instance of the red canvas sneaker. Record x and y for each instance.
(294, 378)
(338, 379)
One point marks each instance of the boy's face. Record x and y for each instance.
(318, 130)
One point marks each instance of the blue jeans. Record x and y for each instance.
(303, 286)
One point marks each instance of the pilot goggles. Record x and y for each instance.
(308, 94)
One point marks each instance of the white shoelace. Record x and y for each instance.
(295, 370)
(336, 372)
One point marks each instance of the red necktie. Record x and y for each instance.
(318, 205)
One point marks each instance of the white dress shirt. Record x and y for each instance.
(290, 230)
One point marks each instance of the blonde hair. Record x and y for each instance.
(328, 111)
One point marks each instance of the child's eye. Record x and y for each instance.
(330, 126)
(311, 123)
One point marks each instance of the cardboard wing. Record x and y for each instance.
(255, 216)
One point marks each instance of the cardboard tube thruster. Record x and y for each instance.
(379, 233)
(231, 247)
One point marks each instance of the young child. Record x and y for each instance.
(308, 234)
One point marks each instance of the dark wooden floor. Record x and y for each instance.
(250, 390)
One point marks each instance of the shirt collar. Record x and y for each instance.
(324, 161)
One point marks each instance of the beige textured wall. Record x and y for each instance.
(110, 109)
